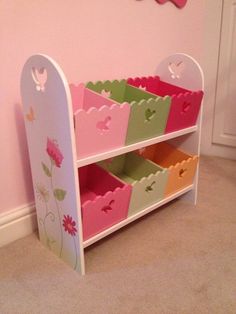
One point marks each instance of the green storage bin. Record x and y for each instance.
(149, 113)
(147, 179)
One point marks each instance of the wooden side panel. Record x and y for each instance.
(184, 71)
(50, 135)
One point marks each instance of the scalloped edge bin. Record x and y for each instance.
(185, 104)
(148, 180)
(181, 166)
(104, 199)
(149, 112)
(100, 123)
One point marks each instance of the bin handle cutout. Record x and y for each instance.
(107, 207)
(40, 77)
(103, 125)
(149, 188)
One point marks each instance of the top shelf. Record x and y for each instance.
(125, 149)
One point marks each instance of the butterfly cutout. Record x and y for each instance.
(105, 93)
(40, 78)
(149, 114)
(182, 172)
(103, 125)
(179, 3)
(149, 188)
(108, 207)
(30, 116)
(176, 69)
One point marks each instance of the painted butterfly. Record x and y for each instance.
(30, 116)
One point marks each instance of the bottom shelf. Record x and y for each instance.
(125, 222)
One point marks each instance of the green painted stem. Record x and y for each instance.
(58, 211)
(76, 260)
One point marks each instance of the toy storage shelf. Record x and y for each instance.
(138, 215)
(132, 147)
(50, 129)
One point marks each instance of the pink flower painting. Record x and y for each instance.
(54, 152)
(69, 225)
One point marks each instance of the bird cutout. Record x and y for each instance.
(103, 125)
(30, 116)
(179, 3)
(186, 106)
(176, 69)
(149, 114)
(105, 93)
(149, 188)
(182, 173)
(40, 78)
(108, 207)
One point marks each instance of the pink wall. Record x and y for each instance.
(90, 40)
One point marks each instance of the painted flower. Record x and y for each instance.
(54, 152)
(69, 225)
(42, 193)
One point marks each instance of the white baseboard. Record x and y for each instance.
(17, 223)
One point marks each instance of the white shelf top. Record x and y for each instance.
(135, 216)
(125, 149)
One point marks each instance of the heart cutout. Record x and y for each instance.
(149, 188)
(179, 3)
(103, 125)
(176, 69)
(149, 114)
(40, 78)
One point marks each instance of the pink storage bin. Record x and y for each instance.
(104, 199)
(185, 104)
(100, 123)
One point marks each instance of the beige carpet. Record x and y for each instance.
(180, 259)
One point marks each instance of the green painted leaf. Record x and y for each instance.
(59, 194)
(46, 170)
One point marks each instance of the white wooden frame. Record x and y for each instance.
(54, 165)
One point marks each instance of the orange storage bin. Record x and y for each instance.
(182, 166)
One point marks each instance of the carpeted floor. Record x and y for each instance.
(180, 259)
